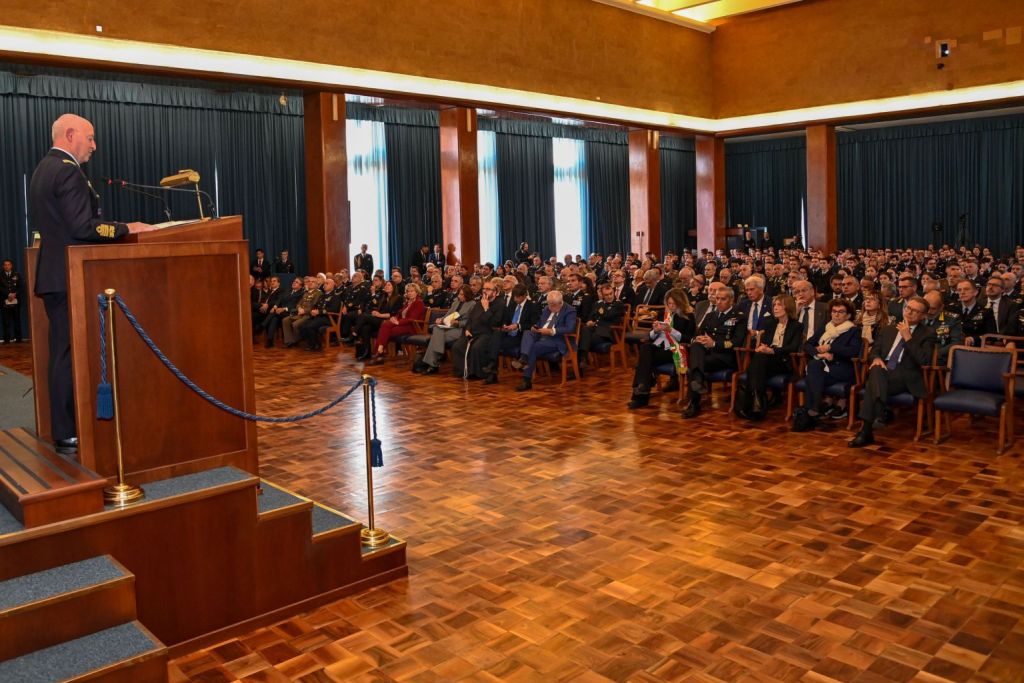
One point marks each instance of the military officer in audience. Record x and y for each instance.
(948, 330)
(280, 309)
(605, 314)
(312, 330)
(310, 299)
(11, 297)
(363, 261)
(356, 301)
(714, 347)
(545, 283)
(579, 298)
(906, 286)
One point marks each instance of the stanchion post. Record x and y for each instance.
(371, 536)
(121, 493)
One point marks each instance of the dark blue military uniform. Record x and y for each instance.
(65, 209)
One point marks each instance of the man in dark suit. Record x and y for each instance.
(283, 264)
(1004, 310)
(810, 313)
(470, 352)
(755, 307)
(896, 359)
(260, 268)
(649, 292)
(519, 316)
(65, 209)
(12, 295)
(705, 306)
(546, 337)
(621, 288)
(437, 256)
(421, 258)
(363, 261)
(272, 299)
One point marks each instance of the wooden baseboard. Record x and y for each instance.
(228, 632)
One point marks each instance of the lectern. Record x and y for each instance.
(188, 287)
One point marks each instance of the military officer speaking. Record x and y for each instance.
(65, 209)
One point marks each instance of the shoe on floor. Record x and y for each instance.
(525, 385)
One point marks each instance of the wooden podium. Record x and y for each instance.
(188, 287)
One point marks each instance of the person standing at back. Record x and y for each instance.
(65, 209)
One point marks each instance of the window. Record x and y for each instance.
(487, 185)
(570, 196)
(368, 189)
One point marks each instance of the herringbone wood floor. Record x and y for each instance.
(554, 536)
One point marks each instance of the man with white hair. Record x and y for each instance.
(65, 209)
(545, 337)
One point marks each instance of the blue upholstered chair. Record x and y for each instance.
(669, 370)
(420, 340)
(981, 382)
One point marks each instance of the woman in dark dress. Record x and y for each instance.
(676, 329)
(781, 337)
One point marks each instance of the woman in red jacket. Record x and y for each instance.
(400, 323)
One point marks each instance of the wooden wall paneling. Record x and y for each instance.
(460, 206)
(821, 188)
(710, 192)
(328, 215)
(644, 192)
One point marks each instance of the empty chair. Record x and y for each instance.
(981, 382)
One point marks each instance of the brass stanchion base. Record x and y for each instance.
(374, 538)
(122, 494)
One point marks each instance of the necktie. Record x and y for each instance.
(757, 317)
(551, 321)
(515, 319)
(897, 353)
(647, 296)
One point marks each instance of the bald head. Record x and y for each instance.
(74, 134)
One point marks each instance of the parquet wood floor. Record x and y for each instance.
(555, 536)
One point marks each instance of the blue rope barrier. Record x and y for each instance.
(376, 452)
(104, 392)
(197, 389)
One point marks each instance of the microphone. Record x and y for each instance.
(130, 187)
(206, 195)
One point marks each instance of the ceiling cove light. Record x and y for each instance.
(92, 49)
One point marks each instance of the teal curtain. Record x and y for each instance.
(526, 193)
(678, 169)
(894, 183)
(413, 190)
(247, 146)
(606, 228)
(766, 185)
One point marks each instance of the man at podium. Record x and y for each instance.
(65, 209)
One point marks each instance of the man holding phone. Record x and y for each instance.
(545, 337)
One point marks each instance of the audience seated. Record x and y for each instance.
(832, 354)
(667, 343)
(546, 337)
(714, 346)
(773, 346)
(896, 360)
(402, 322)
(445, 332)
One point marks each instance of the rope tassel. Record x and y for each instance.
(104, 392)
(376, 451)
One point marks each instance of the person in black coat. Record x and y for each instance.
(896, 360)
(675, 330)
(780, 337)
(363, 261)
(519, 316)
(65, 209)
(597, 327)
(260, 267)
(12, 295)
(832, 353)
(470, 352)
(283, 264)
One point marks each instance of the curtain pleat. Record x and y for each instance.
(678, 167)
(526, 196)
(606, 225)
(766, 185)
(250, 161)
(414, 190)
(894, 183)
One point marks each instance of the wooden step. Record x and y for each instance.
(39, 486)
(127, 652)
(64, 603)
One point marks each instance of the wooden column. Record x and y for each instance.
(460, 205)
(328, 217)
(644, 192)
(821, 188)
(710, 192)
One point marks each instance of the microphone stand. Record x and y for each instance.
(129, 188)
(199, 193)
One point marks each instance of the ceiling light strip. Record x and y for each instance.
(132, 53)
